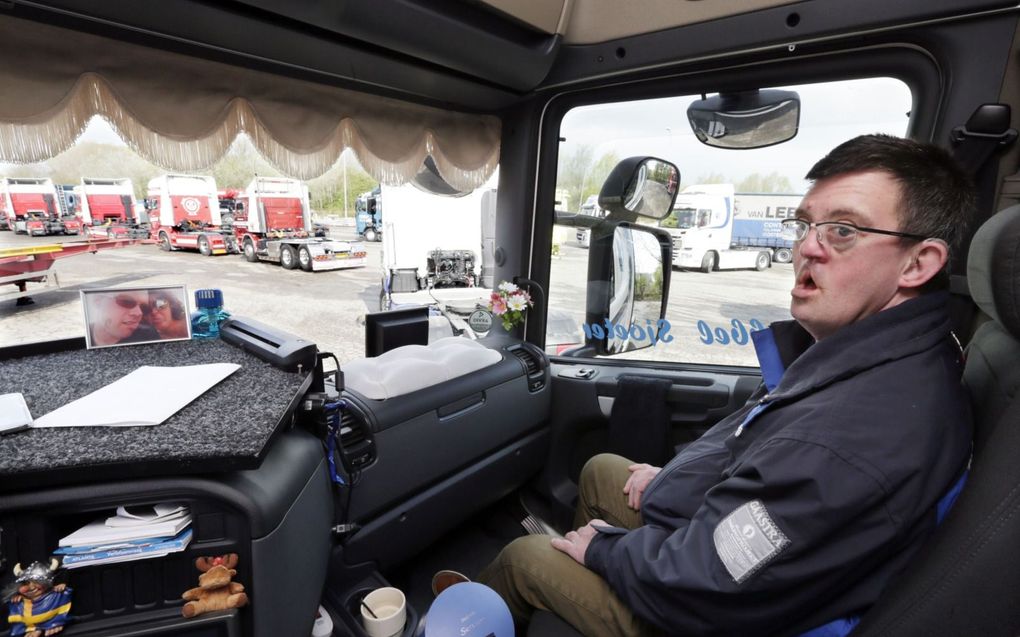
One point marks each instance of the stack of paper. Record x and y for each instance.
(135, 533)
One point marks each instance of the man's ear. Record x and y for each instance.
(929, 257)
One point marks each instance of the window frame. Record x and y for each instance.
(899, 60)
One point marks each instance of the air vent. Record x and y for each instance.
(534, 364)
(357, 448)
(352, 430)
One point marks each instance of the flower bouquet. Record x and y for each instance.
(509, 303)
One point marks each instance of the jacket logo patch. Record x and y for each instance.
(747, 539)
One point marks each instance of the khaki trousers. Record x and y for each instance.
(531, 575)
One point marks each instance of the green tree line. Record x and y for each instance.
(581, 175)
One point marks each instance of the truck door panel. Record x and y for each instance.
(581, 406)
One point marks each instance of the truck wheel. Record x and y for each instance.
(371, 234)
(203, 247)
(708, 262)
(164, 242)
(287, 258)
(783, 255)
(762, 262)
(249, 251)
(305, 259)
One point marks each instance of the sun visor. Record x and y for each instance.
(182, 113)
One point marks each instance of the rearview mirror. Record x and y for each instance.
(628, 312)
(429, 180)
(747, 119)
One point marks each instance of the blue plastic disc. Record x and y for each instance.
(469, 610)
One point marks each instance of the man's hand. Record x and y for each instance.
(640, 476)
(575, 544)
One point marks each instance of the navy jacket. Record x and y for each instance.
(828, 490)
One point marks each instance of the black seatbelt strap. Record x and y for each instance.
(986, 133)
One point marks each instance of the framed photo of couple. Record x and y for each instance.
(128, 316)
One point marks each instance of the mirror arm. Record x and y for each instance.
(576, 220)
(537, 293)
(623, 216)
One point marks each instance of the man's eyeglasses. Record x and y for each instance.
(839, 235)
(129, 303)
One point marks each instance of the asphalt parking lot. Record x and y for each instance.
(329, 307)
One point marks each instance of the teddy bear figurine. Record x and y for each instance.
(36, 606)
(215, 590)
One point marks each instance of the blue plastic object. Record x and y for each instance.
(206, 320)
(469, 610)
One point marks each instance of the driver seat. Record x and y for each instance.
(963, 581)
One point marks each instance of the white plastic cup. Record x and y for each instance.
(390, 609)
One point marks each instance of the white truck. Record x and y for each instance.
(433, 242)
(186, 214)
(589, 208)
(719, 229)
(273, 222)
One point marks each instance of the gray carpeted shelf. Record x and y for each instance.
(226, 428)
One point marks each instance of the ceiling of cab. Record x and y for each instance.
(592, 21)
(481, 55)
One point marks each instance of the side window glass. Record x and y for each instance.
(732, 270)
(311, 258)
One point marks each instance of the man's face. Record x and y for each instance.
(834, 288)
(121, 315)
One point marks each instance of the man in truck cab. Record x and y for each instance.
(792, 515)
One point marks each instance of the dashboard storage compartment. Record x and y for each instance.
(443, 452)
(257, 514)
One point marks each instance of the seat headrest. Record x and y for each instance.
(993, 269)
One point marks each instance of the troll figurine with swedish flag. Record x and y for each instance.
(37, 608)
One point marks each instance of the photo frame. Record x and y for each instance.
(131, 316)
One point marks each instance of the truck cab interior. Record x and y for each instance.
(436, 469)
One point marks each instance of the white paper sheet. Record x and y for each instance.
(146, 396)
(14, 414)
(96, 533)
(141, 515)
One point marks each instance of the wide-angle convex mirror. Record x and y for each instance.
(746, 119)
(640, 187)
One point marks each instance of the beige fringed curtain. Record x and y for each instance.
(182, 113)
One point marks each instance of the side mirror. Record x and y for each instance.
(640, 187)
(747, 119)
(629, 273)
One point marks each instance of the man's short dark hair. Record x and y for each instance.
(938, 196)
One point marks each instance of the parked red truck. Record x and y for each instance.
(108, 208)
(185, 213)
(32, 207)
(272, 222)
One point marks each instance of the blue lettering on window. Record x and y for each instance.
(739, 333)
(656, 333)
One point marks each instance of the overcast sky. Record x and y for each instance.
(830, 114)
